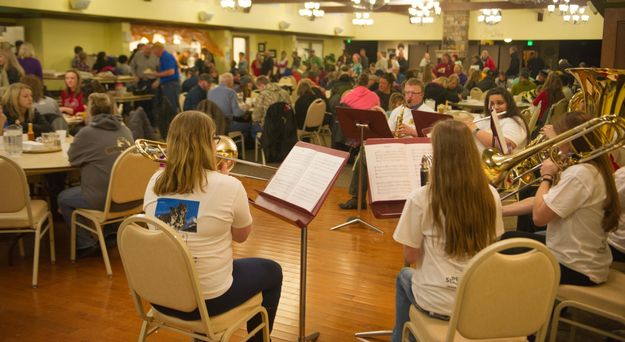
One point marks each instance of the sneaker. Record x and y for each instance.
(352, 204)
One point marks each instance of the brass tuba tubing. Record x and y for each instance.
(157, 151)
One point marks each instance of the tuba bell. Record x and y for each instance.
(602, 91)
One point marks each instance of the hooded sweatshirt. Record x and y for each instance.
(94, 150)
(361, 98)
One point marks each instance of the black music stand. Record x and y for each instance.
(360, 124)
(423, 120)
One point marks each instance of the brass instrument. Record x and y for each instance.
(515, 172)
(602, 91)
(488, 117)
(400, 120)
(226, 150)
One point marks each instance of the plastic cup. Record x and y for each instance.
(12, 140)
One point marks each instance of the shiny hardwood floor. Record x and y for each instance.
(351, 276)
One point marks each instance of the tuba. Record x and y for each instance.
(602, 91)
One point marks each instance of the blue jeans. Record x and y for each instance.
(171, 90)
(250, 276)
(68, 200)
(403, 299)
(243, 127)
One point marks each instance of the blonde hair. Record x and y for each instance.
(190, 153)
(99, 103)
(10, 102)
(11, 61)
(461, 201)
(27, 50)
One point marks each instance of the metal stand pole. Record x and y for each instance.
(302, 290)
(357, 218)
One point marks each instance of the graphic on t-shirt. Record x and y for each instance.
(179, 214)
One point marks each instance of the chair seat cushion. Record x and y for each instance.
(98, 215)
(432, 329)
(220, 323)
(607, 296)
(19, 219)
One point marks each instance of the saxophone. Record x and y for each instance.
(399, 121)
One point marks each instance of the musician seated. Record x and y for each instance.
(440, 233)
(616, 238)
(413, 99)
(209, 209)
(513, 126)
(579, 209)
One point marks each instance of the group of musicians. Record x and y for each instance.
(442, 226)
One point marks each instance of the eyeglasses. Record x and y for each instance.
(413, 93)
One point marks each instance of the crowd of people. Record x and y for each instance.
(578, 206)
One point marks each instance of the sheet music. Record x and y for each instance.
(394, 169)
(304, 176)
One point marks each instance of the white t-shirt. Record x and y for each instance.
(407, 120)
(437, 276)
(511, 128)
(576, 238)
(617, 238)
(203, 219)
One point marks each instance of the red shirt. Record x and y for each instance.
(490, 64)
(448, 69)
(543, 99)
(256, 65)
(73, 101)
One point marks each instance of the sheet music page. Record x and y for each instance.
(394, 169)
(304, 176)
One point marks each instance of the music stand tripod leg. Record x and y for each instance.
(359, 196)
(302, 290)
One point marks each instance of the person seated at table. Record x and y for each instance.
(94, 149)
(226, 99)
(219, 202)
(461, 75)
(46, 106)
(28, 61)
(268, 94)
(524, 83)
(550, 93)
(580, 209)
(441, 233)
(71, 95)
(198, 92)
(488, 82)
(305, 95)
(361, 97)
(513, 126)
(474, 78)
(10, 69)
(437, 91)
(616, 238)
(502, 80)
(385, 90)
(444, 68)
(455, 90)
(17, 104)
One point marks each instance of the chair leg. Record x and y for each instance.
(265, 320)
(105, 254)
(242, 147)
(144, 330)
(72, 240)
(36, 255)
(51, 238)
(20, 246)
(555, 320)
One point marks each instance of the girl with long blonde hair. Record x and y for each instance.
(213, 211)
(444, 224)
(10, 70)
(17, 104)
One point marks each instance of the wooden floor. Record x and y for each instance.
(351, 275)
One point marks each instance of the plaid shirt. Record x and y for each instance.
(270, 95)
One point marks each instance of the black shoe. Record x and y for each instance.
(352, 204)
(88, 252)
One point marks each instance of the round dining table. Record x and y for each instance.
(42, 163)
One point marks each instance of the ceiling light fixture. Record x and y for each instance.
(423, 11)
(234, 4)
(311, 10)
(490, 16)
(369, 5)
(362, 19)
(571, 13)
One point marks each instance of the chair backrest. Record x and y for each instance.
(476, 93)
(506, 296)
(129, 178)
(15, 192)
(315, 114)
(534, 117)
(159, 266)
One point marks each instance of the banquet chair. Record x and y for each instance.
(160, 270)
(556, 110)
(258, 148)
(129, 178)
(604, 300)
(314, 120)
(475, 93)
(535, 113)
(499, 298)
(19, 214)
(237, 137)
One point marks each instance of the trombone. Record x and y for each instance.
(227, 152)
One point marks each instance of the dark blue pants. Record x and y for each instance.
(250, 276)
